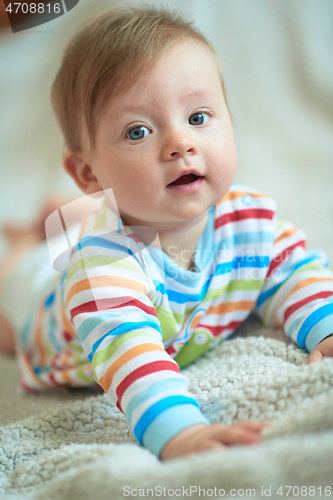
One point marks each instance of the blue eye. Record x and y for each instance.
(137, 133)
(198, 118)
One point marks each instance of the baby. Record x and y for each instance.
(141, 103)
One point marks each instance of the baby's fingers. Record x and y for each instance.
(314, 356)
(256, 425)
(237, 434)
(212, 445)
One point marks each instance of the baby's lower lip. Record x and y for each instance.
(187, 188)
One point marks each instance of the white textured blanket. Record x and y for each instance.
(87, 451)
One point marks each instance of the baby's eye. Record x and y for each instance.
(198, 118)
(138, 132)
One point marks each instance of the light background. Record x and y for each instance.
(276, 59)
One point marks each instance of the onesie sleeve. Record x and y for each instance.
(109, 297)
(298, 291)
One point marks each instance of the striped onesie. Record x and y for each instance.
(125, 316)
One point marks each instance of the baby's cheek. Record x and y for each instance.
(223, 177)
(224, 166)
(228, 164)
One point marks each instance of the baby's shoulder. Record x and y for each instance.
(245, 201)
(106, 241)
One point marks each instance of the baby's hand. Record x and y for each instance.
(323, 349)
(202, 437)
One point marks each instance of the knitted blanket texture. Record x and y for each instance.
(87, 451)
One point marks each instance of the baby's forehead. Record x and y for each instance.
(182, 71)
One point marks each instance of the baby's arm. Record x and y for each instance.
(110, 301)
(297, 293)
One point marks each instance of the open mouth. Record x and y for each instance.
(184, 179)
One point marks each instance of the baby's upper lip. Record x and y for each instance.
(186, 172)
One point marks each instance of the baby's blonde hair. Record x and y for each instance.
(104, 59)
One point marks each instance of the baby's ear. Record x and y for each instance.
(77, 167)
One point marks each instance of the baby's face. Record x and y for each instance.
(166, 147)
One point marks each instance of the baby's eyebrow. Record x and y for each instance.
(136, 107)
(203, 92)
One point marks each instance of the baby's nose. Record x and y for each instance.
(178, 144)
